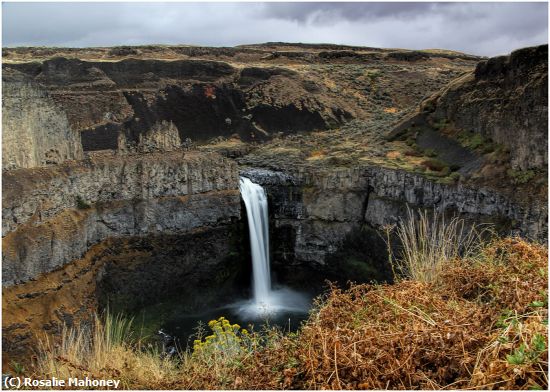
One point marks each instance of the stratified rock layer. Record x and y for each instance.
(52, 215)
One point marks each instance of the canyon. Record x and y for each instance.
(121, 166)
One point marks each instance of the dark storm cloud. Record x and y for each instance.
(350, 11)
(479, 28)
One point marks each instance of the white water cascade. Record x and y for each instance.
(255, 200)
(266, 301)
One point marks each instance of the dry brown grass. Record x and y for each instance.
(481, 325)
(429, 243)
(463, 331)
(104, 350)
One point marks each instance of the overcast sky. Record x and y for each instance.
(478, 28)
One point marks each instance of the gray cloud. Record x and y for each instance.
(350, 11)
(478, 28)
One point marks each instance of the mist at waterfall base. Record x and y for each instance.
(265, 300)
(272, 305)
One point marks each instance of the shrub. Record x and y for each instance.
(442, 123)
(520, 177)
(476, 141)
(415, 335)
(454, 176)
(227, 340)
(373, 74)
(429, 152)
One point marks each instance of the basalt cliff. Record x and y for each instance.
(121, 165)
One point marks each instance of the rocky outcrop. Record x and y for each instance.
(505, 99)
(51, 216)
(34, 131)
(32, 250)
(114, 96)
(81, 236)
(393, 190)
(161, 136)
(120, 103)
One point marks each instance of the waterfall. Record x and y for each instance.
(255, 200)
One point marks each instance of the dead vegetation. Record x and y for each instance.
(428, 243)
(479, 323)
(482, 325)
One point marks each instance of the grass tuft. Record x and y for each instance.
(428, 243)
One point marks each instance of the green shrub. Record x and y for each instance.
(454, 176)
(373, 75)
(476, 141)
(429, 152)
(441, 124)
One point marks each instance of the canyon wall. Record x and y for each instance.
(504, 99)
(121, 104)
(84, 235)
(323, 208)
(35, 132)
(52, 215)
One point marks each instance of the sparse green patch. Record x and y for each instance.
(476, 141)
(373, 74)
(520, 177)
(436, 165)
(429, 152)
(17, 368)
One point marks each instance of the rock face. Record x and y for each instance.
(161, 136)
(117, 96)
(321, 209)
(34, 131)
(504, 99)
(123, 274)
(51, 216)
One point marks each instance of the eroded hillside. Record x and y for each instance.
(115, 96)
